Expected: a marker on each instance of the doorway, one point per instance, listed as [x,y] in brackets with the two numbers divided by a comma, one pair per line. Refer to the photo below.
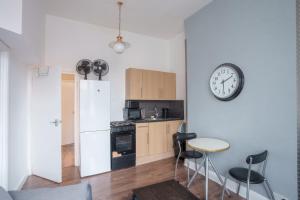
[68,119]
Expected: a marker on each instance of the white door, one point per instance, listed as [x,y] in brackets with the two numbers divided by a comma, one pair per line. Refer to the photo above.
[46,125]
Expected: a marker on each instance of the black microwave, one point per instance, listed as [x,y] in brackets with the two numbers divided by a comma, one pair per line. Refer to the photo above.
[132,114]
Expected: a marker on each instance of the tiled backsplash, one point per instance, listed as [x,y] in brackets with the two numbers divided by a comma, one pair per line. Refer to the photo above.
[176,107]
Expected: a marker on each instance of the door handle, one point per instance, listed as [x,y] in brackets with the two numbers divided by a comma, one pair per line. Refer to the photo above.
[56,122]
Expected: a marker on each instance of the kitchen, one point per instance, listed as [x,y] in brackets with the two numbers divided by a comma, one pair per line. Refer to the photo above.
[145,53]
[151,116]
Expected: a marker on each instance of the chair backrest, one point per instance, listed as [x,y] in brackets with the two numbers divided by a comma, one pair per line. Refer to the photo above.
[182,128]
[257,158]
[181,137]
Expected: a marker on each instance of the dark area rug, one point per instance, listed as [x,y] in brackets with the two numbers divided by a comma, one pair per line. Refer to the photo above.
[168,190]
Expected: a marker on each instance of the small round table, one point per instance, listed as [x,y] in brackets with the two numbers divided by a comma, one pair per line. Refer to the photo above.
[207,146]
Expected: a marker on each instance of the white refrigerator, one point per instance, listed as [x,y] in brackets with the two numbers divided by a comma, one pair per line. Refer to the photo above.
[94,120]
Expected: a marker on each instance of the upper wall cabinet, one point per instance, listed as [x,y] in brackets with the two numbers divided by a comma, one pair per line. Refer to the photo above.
[134,82]
[150,85]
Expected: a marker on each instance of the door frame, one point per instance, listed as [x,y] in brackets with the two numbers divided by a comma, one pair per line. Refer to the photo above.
[4,115]
[76,116]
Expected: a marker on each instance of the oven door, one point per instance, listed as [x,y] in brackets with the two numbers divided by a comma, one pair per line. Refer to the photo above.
[123,142]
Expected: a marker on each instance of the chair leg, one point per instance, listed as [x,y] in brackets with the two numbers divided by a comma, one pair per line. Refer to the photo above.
[224,187]
[188,165]
[196,173]
[248,189]
[270,193]
[176,166]
[238,189]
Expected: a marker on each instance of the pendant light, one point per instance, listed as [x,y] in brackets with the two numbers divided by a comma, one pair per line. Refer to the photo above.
[119,45]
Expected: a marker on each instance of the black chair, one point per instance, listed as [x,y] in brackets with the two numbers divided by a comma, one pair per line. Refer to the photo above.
[183,137]
[249,176]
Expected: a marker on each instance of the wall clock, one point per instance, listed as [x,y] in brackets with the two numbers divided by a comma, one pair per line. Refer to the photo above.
[226,82]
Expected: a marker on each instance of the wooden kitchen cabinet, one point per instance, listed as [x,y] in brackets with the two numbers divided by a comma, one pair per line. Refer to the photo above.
[142,140]
[153,85]
[150,85]
[154,140]
[134,82]
[169,86]
[157,138]
[172,128]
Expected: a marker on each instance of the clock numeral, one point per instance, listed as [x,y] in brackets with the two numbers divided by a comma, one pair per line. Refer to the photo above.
[214,83]
[229,90]
[216,78]
[232,86]
[215,88]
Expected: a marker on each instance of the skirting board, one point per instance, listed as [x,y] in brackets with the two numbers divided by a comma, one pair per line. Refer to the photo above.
[232,185]
[22,183]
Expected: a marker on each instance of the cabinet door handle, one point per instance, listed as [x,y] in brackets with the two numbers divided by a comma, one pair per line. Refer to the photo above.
[148,138]
[168,128]
[141,92]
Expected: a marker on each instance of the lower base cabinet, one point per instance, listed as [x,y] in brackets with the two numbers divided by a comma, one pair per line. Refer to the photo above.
[154,141]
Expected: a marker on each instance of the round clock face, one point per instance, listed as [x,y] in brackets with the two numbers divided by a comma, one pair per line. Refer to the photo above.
[226,82]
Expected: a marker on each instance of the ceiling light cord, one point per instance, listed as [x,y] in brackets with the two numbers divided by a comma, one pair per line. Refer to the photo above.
[120,5]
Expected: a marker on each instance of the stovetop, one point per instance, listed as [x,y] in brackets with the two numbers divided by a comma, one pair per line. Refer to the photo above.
[121,123]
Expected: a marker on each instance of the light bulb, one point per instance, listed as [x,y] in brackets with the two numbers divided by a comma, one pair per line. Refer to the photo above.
[119,47]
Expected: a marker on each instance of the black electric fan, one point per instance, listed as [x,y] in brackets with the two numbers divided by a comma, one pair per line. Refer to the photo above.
[84,67]
[100,68]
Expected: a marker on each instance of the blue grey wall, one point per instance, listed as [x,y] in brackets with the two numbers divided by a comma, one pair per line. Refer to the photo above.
[260,37]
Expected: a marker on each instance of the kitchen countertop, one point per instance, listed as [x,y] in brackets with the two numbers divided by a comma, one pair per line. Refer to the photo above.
[148,120]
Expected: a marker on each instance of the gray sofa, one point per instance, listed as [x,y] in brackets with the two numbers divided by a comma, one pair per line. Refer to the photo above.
[80,191]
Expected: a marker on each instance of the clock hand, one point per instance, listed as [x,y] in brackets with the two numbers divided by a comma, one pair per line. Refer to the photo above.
[223,86]
[227,79]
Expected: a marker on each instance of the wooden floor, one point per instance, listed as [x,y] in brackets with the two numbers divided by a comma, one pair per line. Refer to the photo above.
[67,155]
[118,185]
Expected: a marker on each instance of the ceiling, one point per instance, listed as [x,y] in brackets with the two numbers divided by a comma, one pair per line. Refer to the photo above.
[157,18]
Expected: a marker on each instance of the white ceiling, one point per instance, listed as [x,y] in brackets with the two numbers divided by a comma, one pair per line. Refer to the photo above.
[158,18]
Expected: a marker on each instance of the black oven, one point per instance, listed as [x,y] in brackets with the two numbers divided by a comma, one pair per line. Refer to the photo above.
[123,141]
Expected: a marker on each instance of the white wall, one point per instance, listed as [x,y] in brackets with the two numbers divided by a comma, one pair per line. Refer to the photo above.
[11,15]
[69,41]
[177,64]
[26,50]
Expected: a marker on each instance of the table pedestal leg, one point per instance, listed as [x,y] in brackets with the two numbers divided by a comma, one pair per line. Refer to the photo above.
[206,177]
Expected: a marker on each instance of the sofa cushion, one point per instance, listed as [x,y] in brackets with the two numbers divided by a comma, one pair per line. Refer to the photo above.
[73,192]
[4,195]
